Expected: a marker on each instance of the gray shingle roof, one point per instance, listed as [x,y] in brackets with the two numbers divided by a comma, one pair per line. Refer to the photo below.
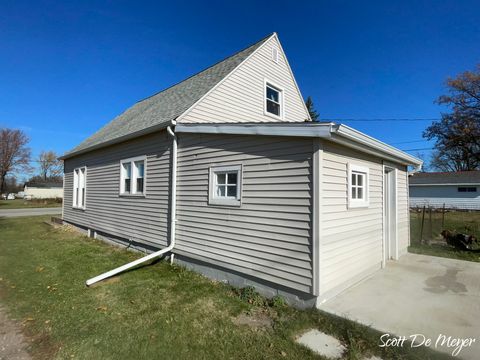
[159,110]
[36,184]
[438,178]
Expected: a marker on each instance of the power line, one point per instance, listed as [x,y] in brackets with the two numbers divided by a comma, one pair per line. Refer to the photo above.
[408,142]
[417,149]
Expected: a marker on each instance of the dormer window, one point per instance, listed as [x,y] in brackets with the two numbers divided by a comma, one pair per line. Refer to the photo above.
[273,100]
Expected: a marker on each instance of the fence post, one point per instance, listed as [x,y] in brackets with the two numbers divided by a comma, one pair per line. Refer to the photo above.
[431,225]
[423,223]
[443,217]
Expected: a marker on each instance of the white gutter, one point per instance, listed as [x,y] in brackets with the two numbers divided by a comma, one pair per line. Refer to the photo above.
[340,134]
[172,223]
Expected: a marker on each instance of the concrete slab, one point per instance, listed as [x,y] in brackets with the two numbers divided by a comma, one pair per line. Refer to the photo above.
[430,296]
[322,344]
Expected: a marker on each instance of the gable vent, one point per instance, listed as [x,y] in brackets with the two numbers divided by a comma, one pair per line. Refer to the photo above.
[275,54]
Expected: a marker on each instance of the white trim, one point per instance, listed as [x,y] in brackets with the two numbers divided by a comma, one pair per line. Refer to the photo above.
[212,199]
[133,177]
[282,129]
[357,203]
[186,112]
[384,213]
[316,216]
[394,184]
[339,134]
[359,137]
[291,74]
[75,195]
[281,96]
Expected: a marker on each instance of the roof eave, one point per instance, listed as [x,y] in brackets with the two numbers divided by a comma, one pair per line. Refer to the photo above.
[374,146]
[114,141]
[340,134]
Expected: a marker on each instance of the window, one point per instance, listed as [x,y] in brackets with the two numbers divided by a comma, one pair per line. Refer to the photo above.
[225,185]
[132,176]
[273,100]
[357,186]
[79,187]
[467,189]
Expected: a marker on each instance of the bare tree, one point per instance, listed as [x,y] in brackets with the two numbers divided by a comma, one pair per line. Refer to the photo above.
[457,134]
[14,154]
[49,164]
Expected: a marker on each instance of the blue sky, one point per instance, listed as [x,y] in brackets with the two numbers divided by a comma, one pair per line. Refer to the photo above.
[67,68]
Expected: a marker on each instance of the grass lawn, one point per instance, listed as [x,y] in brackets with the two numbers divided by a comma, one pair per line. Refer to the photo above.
[156,312]
[21,203]
[460,221]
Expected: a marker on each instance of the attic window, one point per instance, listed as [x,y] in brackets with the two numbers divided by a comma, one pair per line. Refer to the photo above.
[275,54]
[273,100]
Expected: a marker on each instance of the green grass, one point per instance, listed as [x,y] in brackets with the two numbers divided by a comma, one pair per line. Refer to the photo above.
[433,244]
[156,312]
[35,203]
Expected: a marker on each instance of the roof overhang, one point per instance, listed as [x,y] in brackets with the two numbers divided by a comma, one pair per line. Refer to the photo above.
[336,133]
[117,140]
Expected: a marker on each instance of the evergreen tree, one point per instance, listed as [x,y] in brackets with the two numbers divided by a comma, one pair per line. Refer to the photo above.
[311,109]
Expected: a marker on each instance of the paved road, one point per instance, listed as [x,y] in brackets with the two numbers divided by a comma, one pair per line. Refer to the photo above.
[30,212]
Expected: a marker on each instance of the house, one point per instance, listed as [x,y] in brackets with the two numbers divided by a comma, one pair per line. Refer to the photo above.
[43,190]
[452,190]
[226,171]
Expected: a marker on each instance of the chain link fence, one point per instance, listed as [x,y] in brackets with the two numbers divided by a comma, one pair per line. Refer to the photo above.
[427,224]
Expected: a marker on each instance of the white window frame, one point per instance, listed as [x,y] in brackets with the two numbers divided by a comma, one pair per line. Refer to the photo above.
[213,199]
[77,202]
[281,96]
[133,177]
[359,203]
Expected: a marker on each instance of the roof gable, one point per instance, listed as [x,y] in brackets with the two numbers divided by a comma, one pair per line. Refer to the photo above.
[240,96]
[160,109]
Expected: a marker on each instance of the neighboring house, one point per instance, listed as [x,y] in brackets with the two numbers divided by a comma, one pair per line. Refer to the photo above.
[43,190]
[454,190]
[264,197]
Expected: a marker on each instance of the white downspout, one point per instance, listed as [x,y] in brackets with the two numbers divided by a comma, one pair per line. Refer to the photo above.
[173,207]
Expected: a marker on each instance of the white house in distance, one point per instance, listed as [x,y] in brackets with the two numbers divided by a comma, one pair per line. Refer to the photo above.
[43,190]
[226,172]
[454,190]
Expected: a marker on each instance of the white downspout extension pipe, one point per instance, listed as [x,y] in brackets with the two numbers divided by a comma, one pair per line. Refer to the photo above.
[172,223]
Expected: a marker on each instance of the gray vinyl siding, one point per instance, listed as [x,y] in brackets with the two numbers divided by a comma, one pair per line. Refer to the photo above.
[351,240]
[269,236]
[142,220]
[240,97]
[438,195]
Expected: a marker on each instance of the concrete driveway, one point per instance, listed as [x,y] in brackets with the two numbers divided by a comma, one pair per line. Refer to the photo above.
[419,294]
[30,212]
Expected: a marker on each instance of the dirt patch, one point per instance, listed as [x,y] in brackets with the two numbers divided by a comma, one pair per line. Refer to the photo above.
[257,320]
[13,344]
[111,280]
